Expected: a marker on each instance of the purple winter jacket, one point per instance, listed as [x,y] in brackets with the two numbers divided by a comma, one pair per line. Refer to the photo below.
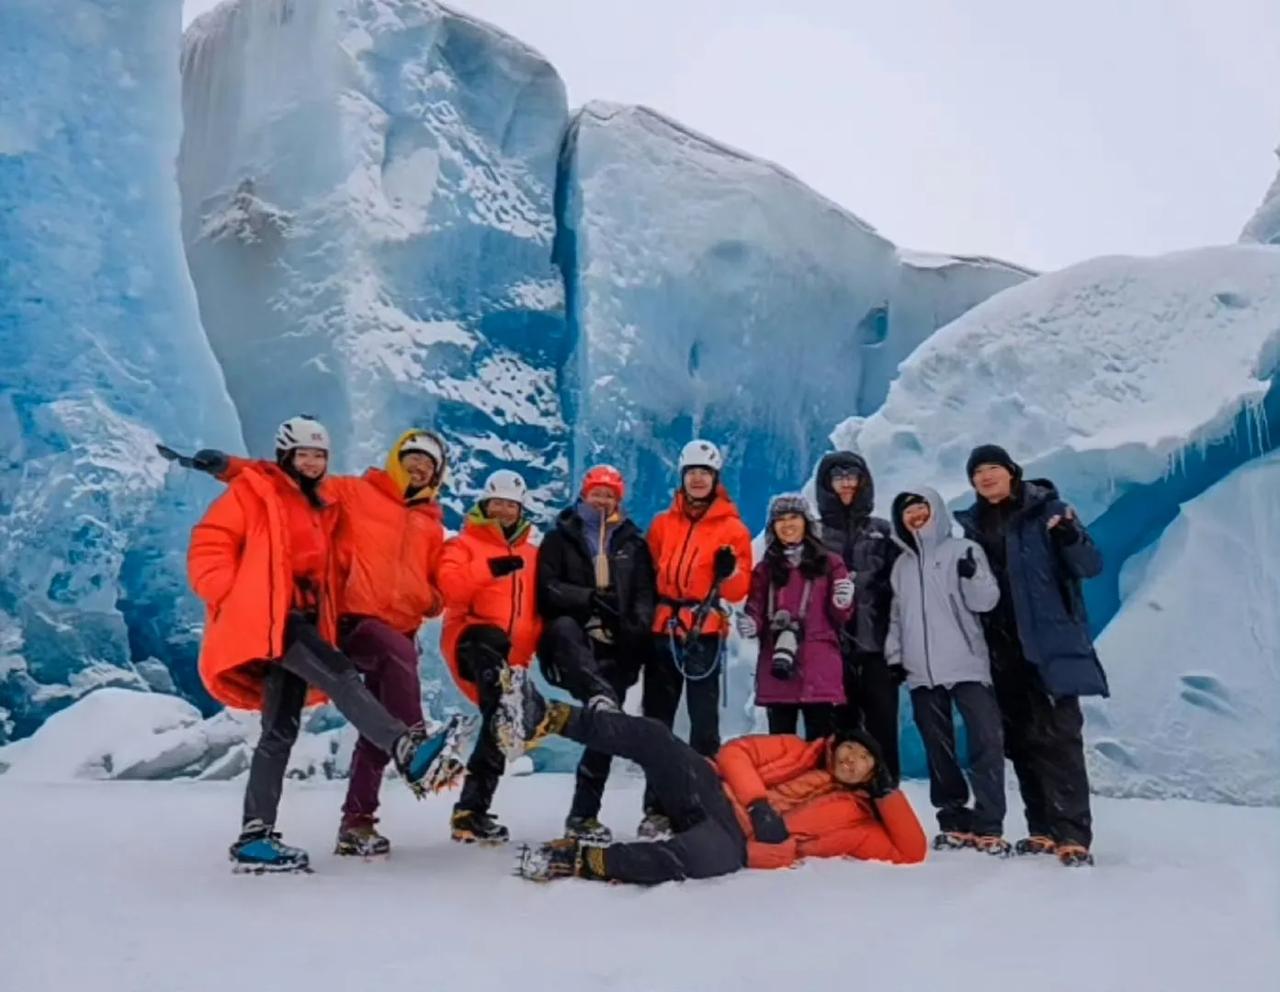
[819,673]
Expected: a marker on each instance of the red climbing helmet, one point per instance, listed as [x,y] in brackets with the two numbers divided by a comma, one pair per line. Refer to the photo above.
[606,476]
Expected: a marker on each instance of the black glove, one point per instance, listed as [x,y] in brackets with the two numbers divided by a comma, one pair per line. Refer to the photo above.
[604,604]
[505,565]
[898,674]
[211,460]
[967,567]
[726,563]
[1066,532]
[882,782]
[767,824]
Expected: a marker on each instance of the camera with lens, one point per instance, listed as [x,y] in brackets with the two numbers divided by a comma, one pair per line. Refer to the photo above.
[786,642]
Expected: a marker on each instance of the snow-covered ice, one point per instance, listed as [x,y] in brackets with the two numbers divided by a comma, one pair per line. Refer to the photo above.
[101,355]
[367,208]
[125,887]
[1264,225]
[712,293]
[1195,707]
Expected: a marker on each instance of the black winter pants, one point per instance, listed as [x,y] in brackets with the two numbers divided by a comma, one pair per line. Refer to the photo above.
[482,654]
[664,684]
[308,660]
[872,696]
[948,790]
[707,840]
[585,667]
[1043,737]
[819,719]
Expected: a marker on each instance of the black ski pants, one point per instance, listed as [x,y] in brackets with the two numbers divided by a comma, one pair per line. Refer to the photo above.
[482,654]
[664,684]
[309,660]
[585,667]
[872,695]
[819,719]
[948,790]
[1044,738]
[707,839]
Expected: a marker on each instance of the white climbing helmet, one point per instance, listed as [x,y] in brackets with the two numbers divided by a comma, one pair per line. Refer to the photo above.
[505,484]
[302,431]
[425,443]
[700,454]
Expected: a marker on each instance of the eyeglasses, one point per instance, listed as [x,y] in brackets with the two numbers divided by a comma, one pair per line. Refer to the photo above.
[845,474]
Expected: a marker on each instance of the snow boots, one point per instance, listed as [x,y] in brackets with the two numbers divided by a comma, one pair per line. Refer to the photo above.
[259,850]
[993,844]
[523,718]
[654,826]
[1035,844]
[1074,856]
[563,858]
[469,827]
[588,830]
[432,762]
[360,838]
[952,840]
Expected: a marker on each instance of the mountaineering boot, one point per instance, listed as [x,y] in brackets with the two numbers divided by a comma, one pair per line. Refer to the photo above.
[468,827]
[360,838]
[563,858]
[432,762]
[259,850]
[1074,856]
[588,830]
[654,826]
[993,844]
[523,718]
[952,840]
[1035,844]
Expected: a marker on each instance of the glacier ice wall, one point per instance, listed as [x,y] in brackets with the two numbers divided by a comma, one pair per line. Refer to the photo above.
[101,353]
[1134,383]
[1264,226]
[367,208]
[1195,678]
[712,293]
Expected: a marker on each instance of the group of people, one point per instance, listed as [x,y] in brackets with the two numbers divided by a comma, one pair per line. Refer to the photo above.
[316,586]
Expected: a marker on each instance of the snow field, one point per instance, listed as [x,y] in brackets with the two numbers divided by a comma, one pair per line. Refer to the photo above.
[1183,898]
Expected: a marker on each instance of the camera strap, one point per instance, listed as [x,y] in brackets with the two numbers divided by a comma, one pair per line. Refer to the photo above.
[771,605]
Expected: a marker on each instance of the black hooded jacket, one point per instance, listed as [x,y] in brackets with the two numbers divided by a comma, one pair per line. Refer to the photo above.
[566,576]
[865,544]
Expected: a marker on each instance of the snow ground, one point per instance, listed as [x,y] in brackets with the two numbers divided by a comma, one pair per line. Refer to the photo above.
[120,886]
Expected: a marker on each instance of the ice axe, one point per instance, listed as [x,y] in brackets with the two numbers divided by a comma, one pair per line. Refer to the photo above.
[168,454]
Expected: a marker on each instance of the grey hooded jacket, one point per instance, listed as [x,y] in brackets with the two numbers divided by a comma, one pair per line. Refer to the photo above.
[934,631]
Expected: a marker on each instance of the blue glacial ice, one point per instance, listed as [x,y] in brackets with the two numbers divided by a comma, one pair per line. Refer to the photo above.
[712,293]
[367,208]
[101,354]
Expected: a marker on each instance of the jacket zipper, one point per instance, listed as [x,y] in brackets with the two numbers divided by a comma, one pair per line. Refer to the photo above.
[515,597]
[924,621]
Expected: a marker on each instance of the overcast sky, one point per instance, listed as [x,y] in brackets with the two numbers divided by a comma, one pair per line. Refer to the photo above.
[1039,131]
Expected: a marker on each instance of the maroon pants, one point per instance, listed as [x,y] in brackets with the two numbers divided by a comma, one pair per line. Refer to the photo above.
[389,662]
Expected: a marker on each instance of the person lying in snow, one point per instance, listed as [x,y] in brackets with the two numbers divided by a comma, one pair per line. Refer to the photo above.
[762,802]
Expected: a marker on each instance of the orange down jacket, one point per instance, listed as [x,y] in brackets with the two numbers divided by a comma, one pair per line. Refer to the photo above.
[825,818]
[239,564]
[388,548]
[684,550]
[472,596]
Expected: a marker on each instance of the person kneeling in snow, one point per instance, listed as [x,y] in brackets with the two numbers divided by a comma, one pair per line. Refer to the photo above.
[940,585]
[762,802]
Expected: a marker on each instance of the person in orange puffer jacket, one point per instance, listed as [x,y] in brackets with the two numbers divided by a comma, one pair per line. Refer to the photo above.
[765,802]
[702,553]
[487,576]
[387,545]
[262,561]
